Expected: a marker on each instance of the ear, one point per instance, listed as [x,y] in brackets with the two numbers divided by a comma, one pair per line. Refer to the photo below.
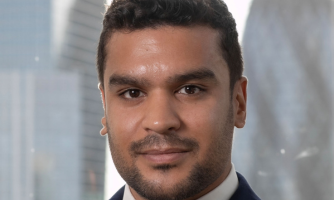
[104,129]
[239,102]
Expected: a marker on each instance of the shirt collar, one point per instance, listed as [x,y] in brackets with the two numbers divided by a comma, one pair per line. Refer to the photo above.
[224,191]
[127,194]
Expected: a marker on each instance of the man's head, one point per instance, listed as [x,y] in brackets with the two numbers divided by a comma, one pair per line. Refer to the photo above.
[166,89]
[130,15]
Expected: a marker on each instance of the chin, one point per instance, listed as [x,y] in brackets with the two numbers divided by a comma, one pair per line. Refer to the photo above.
[168,182]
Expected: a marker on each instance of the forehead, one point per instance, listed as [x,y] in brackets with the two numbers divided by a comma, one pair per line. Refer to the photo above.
[164,51]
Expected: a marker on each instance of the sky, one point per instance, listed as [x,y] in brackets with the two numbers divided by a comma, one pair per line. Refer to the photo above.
[239,10]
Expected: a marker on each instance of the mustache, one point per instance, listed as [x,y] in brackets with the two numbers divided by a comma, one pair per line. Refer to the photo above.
[171,140]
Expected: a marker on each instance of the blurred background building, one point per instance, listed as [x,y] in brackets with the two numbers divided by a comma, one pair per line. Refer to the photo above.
[286,148]
[50,108]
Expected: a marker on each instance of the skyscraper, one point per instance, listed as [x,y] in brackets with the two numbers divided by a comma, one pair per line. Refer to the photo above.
[50,108]
[288,49]
[78,54]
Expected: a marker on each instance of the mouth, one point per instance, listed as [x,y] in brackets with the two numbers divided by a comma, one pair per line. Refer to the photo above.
[164,156]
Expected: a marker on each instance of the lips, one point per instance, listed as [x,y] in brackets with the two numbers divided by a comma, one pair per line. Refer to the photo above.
[164,156]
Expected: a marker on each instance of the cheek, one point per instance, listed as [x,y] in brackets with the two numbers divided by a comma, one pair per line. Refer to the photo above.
[123,125]
[206,115]
[204,122]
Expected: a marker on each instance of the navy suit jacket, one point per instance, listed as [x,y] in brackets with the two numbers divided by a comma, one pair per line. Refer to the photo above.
[243,192]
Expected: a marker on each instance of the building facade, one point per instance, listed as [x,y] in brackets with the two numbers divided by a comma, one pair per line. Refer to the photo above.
[286,147]
[50,107]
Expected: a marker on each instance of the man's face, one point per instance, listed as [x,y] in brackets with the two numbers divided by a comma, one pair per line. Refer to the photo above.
[168,109]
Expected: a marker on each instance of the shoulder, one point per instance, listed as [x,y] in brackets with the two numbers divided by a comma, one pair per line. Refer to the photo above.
[119,194]
[244,191]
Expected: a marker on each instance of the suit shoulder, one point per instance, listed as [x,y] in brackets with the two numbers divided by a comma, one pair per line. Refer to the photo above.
[244,191]
[119,194]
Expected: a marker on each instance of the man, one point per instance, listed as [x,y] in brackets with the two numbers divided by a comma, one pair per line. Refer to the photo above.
[171,81]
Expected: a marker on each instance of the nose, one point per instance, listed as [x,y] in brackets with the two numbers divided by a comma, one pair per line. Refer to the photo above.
[161,115]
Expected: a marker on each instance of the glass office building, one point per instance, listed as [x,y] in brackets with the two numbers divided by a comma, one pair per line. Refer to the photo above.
[50,107]
[286,147]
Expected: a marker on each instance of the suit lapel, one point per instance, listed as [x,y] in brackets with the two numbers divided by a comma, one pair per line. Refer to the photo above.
[119,194]
[244,191]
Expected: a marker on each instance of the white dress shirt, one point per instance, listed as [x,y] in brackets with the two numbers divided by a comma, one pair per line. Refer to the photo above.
[224,191]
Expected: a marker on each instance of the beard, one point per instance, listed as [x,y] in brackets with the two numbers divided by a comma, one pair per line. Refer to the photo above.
[201,175]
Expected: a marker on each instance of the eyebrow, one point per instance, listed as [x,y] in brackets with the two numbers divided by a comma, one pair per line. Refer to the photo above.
[116,79]
[201,74]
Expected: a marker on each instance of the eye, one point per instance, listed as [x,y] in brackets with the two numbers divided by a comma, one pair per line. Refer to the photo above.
[132,94]
[190,89]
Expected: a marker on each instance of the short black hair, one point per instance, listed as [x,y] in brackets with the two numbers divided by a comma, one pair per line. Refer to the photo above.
[133,15]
